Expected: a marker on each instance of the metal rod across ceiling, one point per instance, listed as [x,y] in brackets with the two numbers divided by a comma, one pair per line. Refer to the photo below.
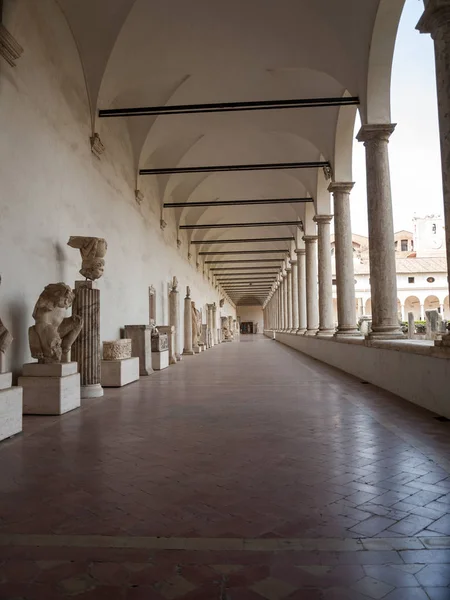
[237,202]
[315,164]
[282,250]
[243,240]
[242,260]
[177,109]
[233,225]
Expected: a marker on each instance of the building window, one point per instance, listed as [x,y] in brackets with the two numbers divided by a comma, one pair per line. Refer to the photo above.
[404,244]
[410,279]
[431,279]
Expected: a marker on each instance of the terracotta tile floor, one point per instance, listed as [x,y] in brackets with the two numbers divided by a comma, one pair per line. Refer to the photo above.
[248,472]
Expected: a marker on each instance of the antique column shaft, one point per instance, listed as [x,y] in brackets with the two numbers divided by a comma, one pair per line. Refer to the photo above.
[326,318]
[301,285]
[188,326]
[284,287]
[86,348]
[436,20]
[345,273]
[214,324]
[383,276]
[174,319]
[210,323]
[312,308]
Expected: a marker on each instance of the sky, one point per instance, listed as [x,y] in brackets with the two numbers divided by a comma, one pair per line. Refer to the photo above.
[414,146]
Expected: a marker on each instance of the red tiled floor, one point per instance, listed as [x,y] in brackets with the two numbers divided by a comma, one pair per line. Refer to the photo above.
[247,440]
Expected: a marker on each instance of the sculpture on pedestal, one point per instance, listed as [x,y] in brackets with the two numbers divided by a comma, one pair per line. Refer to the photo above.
[92,251]
[222,302]
[53,334]
[174,284]
[226,333]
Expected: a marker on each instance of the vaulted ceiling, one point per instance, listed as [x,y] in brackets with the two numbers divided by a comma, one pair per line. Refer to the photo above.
[172,52]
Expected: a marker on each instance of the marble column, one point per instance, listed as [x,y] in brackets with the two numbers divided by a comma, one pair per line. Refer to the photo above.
[174,319]
[86,348]
[188,325]
[312,307]
[289,297]
[345,272]
[436,21]
[383,276]
[326,317]
[294,265]
[301,286]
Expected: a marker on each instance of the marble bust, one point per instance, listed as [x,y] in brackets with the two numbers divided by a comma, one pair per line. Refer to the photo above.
[53,334]
[92,251]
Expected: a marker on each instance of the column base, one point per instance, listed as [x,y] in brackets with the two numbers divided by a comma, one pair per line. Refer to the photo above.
[444,342]
[311,332]
[188,352]
[93,390]
[300,331]
[395,334]
[178,357]
[325,333]
[342,333]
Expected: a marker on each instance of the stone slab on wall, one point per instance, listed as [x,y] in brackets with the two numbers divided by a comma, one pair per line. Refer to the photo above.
[418,378]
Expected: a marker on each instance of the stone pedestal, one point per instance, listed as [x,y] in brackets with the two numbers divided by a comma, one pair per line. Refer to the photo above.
[204,337]
[188,326]
[50,389]
[10,407]
[174,320]
[169,330]
[86,348]
[160,351]
[120,372]
[140,336]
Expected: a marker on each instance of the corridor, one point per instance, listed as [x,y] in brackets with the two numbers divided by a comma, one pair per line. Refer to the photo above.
[250,471]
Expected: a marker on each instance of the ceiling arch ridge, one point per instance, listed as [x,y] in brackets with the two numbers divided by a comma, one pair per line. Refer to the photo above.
[95,38]
[343,143]
[376,105]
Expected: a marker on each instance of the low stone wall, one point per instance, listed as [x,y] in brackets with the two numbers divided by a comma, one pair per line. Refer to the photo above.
[419,372]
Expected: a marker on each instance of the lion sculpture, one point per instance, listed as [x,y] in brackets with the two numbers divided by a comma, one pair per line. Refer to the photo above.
[53,334]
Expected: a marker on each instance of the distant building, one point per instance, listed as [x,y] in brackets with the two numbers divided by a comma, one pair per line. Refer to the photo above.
[421,270]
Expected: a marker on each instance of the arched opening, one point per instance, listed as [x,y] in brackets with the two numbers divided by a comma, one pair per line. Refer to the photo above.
[446,314]
[431,303]
[368,307]
[412,304]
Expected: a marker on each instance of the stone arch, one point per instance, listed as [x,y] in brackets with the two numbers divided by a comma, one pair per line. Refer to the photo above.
[432,302]
[412,304]
[377,106]
[446,314]
[343,155]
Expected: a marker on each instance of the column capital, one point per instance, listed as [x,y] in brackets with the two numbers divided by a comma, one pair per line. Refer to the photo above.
[300,252]
[310,239]
[288,269]
[283,275]
[322,219]
[341,187]
[435,17]
[380,132]
[294,262]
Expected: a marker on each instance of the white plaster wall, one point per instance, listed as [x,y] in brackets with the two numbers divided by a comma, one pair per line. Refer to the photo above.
[420,379]
[252,313]
[53,187]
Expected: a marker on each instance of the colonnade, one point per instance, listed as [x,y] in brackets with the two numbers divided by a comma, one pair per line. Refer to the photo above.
[305,307]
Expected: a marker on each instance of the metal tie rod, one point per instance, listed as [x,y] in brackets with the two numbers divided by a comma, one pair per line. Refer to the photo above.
[243,240]
[226,168]
[232,225]
[277,251]
[238,202]
[177,109]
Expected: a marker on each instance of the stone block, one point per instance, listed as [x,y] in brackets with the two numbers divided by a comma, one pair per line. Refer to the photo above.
[35,369]
[117,349]
[10,411]
[117,373]
[50,395]
[140,336]
[5,380]
[160,360]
